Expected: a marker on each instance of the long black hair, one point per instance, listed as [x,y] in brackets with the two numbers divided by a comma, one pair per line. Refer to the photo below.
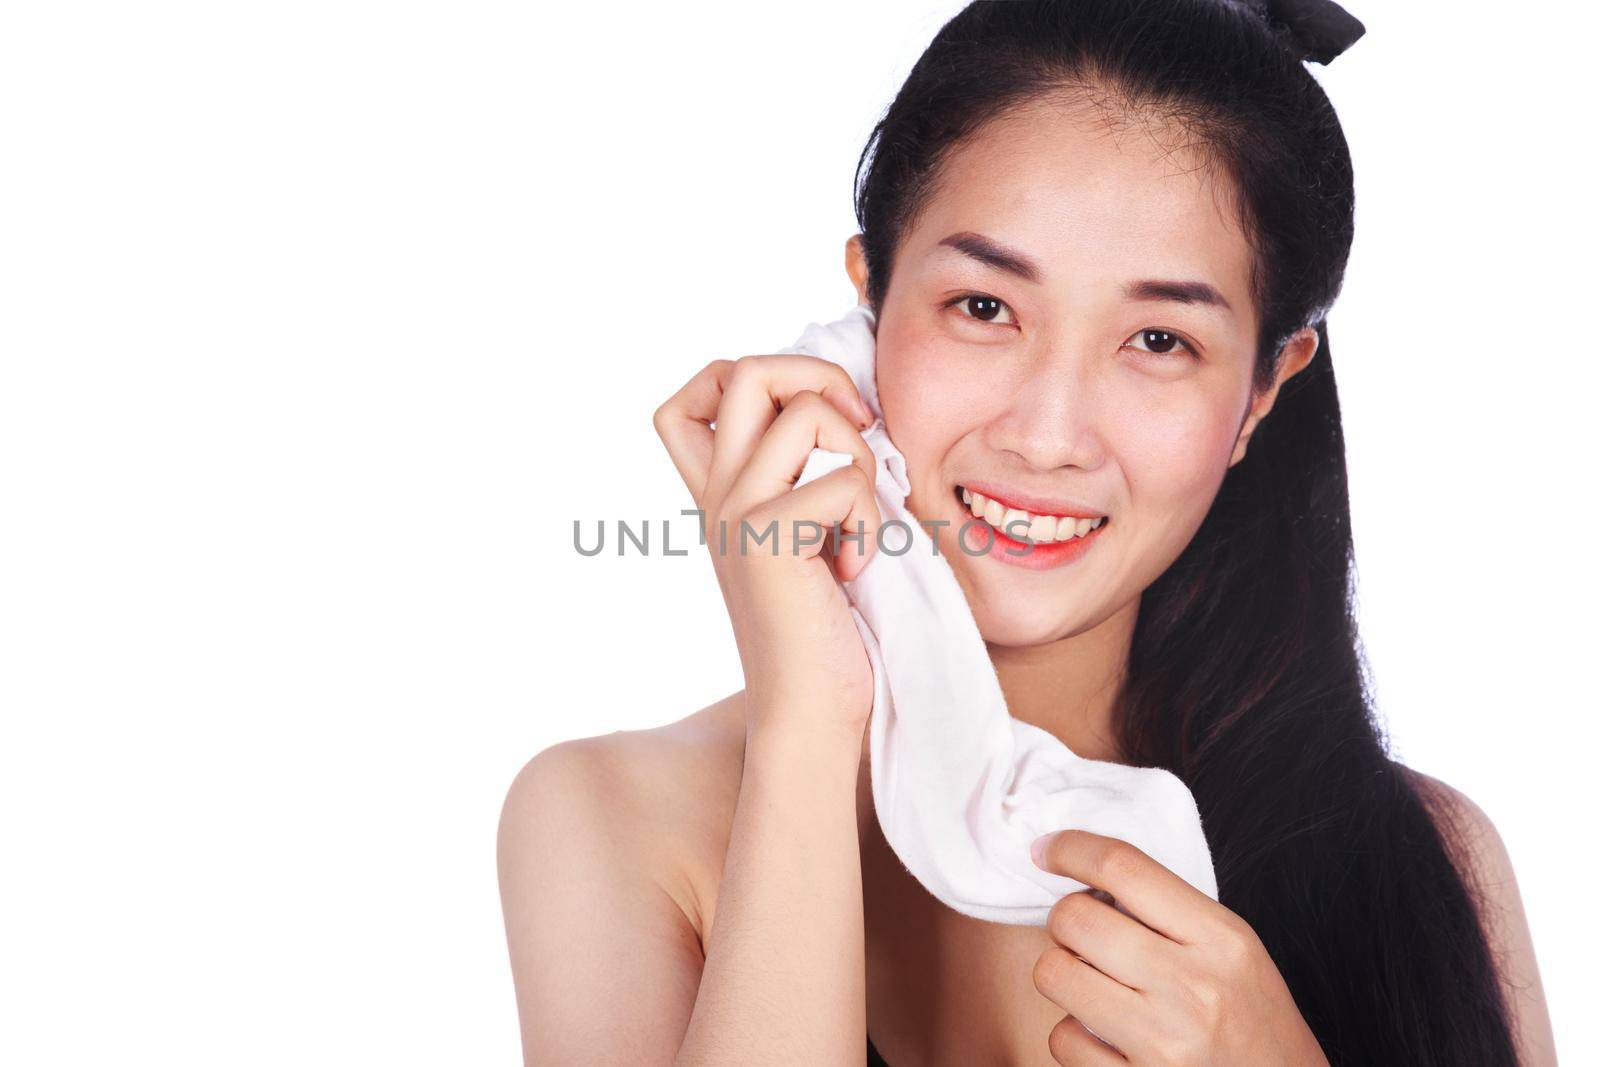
[1246,676]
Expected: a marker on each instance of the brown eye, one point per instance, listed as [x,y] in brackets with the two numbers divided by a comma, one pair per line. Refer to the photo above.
[980,307]
[1162,342]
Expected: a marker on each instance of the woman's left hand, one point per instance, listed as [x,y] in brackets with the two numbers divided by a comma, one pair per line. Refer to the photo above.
[1186,981]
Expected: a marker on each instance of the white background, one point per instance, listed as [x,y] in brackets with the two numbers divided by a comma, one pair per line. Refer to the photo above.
[322,321]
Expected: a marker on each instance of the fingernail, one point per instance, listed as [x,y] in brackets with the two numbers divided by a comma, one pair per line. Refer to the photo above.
[1037,849]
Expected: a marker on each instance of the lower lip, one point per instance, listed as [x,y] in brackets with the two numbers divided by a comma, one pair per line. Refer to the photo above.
[1039,556]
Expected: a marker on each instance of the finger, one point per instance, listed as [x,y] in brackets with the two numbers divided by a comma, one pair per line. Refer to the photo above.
[759,387]
[806,422]
[1073,1044]
[1157,897]
[684,425]
[1113,943]
[845,495]
[1112,1009]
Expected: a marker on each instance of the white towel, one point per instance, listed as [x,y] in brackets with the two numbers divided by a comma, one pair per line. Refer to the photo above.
[960,787]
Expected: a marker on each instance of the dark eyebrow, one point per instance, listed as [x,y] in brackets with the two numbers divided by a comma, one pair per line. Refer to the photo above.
[1177,292]
[993,254]
[998,256]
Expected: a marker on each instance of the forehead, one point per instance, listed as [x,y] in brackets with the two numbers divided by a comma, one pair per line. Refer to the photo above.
[1091,197]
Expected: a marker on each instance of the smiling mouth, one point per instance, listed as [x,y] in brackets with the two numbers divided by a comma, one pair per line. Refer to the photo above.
[1035,527]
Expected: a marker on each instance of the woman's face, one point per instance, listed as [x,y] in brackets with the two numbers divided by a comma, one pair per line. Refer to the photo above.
[1060,385]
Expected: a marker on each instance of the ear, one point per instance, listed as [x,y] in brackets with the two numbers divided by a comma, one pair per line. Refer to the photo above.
[855,264]
[1298,351]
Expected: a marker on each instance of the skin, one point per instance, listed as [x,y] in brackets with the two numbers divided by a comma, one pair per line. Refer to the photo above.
[660,838]
[1061,394]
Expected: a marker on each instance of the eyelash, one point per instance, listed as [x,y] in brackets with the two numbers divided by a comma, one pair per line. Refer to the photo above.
[1182,340]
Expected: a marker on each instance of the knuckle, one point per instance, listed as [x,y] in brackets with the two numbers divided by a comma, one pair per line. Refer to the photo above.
[1049,969]
[724,371]
[1061,1039]
[805,401]
[1178,1050]
[851,472]
[1073,916]
[1236,949]
[661,417]
[1203,998]
[1118,861]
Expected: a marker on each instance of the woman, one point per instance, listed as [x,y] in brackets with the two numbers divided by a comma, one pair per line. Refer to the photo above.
[1099,238]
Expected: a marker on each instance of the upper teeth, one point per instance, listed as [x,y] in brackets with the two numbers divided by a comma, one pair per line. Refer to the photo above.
[1035,527]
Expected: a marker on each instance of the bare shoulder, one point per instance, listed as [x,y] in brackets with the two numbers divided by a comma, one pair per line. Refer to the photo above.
[669,791]
[1482,852]
[610,849]
[665,796]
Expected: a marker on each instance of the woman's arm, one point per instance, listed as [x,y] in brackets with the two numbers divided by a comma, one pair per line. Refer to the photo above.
[785,973]
[601,952]
[1504,919]
[607,964]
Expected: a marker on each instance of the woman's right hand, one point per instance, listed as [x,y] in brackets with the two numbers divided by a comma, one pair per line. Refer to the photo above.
[803,658]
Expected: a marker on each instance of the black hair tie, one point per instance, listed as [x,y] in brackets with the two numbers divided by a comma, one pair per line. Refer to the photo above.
[1320,29]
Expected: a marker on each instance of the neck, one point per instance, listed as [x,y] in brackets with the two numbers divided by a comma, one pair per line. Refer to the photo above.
[1069,687]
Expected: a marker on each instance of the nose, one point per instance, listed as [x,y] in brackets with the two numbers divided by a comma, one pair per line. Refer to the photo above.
[1051,420]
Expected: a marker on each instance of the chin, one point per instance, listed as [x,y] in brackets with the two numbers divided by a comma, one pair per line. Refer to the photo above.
[1012,626]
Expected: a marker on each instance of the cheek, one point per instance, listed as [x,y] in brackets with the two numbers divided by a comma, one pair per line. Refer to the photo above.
[921,394]
[1174,453]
